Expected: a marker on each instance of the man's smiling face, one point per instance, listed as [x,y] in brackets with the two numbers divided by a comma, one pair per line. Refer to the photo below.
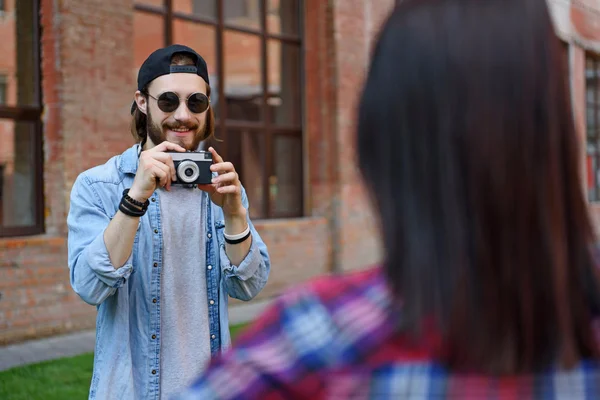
[181,126]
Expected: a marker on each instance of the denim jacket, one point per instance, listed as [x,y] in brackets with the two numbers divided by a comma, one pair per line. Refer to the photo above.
[127,352]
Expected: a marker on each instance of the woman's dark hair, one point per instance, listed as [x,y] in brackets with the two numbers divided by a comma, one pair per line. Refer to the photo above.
[139,120]
[466,142]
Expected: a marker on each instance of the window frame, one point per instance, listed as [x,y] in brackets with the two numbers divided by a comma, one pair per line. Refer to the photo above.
[264,127]
[594,80]
[31,114]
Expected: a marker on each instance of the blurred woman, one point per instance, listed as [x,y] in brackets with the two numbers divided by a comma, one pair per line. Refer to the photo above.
[489,286]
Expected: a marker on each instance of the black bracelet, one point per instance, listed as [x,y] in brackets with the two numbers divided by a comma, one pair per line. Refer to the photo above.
[240,240]
[134,201]
[131,207]
[128,210]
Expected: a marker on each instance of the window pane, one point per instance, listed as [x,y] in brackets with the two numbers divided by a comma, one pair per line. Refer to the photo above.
[284,83]
[17,63]
[156,3]
[285,187]
[283,17]
[590,119]
[148,35]
[590,94]
[244,13]
[245,150]
[201,38]
[593,140]
[17,181]
[243,66]
[202,8]
[3,89]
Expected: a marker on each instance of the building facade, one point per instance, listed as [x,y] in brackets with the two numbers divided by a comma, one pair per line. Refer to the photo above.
[285,76]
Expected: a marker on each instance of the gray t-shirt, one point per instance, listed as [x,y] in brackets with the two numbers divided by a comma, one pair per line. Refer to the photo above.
[184,325]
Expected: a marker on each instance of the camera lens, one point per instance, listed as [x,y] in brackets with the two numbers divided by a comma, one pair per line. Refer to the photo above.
[188,171]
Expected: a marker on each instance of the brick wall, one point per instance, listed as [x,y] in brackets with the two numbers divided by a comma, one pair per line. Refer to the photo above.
[356,21]
[88,62]
[85,46]
[576,23]
[36,298]
[88,84]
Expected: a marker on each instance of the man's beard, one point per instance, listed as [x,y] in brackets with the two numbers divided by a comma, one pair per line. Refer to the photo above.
[157,133]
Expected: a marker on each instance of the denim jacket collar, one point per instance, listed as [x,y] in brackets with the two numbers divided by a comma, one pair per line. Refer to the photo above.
[128,162]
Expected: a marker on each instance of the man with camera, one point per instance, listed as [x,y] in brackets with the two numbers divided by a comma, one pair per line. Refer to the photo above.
[160,236]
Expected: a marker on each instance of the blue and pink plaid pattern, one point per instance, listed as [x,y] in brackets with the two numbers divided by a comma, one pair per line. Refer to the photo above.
[337,338]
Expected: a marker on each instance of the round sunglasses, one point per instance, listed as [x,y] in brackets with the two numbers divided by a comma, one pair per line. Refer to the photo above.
[169,102]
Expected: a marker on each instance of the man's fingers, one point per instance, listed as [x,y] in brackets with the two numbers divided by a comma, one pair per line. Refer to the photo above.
[167,160]
[222,167]
[171,166]
[231,189]
[161,176]
[163,172]
[229,177]
[166,145]
[216,157]
[162,166]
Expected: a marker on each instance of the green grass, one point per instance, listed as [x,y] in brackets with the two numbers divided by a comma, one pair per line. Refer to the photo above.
[65,378]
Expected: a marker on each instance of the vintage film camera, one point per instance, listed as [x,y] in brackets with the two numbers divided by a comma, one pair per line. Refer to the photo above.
[192,167]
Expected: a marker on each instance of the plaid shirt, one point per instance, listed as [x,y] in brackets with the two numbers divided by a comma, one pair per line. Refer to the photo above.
[337,339]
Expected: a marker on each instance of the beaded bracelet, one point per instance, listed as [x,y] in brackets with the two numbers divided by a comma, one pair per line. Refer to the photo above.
[131,207]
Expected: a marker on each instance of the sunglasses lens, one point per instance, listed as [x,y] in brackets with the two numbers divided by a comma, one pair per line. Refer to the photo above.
[168,102]
[198,103]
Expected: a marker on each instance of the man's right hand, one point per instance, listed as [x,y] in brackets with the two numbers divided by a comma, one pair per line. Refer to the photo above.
[155,168]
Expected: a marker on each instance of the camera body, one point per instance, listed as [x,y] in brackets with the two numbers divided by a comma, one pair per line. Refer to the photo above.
[192,167]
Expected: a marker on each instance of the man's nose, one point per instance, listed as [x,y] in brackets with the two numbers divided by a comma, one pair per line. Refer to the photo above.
[182,113]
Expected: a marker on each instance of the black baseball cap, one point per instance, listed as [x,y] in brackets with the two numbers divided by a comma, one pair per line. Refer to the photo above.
[159,63]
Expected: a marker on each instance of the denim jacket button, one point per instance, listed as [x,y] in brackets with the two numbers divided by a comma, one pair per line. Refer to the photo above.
[154,300]
[155,265]
[212,302]
[156,231]
[212,336]
[209,267]
[153,199]
[153,336]
[153,372]
[209,235]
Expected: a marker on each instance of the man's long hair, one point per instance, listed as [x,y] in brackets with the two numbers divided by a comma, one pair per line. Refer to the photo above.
[466,141]
[139,120]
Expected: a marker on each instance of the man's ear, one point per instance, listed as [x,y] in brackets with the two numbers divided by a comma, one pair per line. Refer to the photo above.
[141,102]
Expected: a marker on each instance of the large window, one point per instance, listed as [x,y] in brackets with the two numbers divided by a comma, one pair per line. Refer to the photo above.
[254,53]
[592,85]
[21,161]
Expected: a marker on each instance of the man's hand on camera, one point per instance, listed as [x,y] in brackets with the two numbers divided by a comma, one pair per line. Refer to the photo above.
[226,189]
[155,168]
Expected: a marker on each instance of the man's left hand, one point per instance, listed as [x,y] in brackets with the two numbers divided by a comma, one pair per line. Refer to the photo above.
[226,189]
